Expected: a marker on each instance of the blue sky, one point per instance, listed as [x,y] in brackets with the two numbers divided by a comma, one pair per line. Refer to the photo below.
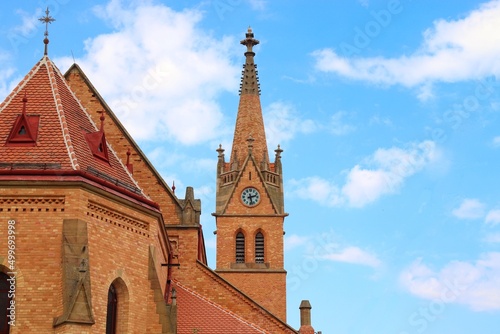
[388,113]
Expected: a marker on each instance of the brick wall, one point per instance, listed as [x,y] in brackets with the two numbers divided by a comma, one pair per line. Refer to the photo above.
[237,217]
[119,236]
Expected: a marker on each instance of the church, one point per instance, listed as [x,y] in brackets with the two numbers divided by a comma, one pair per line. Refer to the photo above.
[93,240]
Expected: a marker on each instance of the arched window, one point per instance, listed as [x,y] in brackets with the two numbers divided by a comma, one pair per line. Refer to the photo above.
[4,303]
[259,248]
[240,248]
[112,310]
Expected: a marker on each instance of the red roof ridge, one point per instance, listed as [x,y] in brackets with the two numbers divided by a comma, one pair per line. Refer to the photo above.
[60,111]
[110,149]
[228,312]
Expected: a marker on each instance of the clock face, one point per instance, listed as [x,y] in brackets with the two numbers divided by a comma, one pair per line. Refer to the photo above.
[250,196]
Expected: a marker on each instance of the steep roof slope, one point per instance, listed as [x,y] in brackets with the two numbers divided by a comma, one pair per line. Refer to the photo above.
[62,136]
[148,178]
[197,313]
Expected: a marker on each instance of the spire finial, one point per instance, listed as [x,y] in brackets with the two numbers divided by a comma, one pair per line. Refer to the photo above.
[46,19]
[220,150]
[278,151]
[25,100]
[249,41]
[249,75]
[102,118]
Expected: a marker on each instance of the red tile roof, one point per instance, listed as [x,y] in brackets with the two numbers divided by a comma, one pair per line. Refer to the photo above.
[61,139]
[196,314]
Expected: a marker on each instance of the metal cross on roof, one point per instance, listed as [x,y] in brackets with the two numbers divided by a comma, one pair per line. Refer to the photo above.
[46,19]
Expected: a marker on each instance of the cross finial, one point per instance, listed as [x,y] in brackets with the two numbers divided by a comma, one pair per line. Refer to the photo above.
[46,19]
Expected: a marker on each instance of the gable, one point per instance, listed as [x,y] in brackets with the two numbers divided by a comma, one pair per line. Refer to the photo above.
[147,177]
[249,177]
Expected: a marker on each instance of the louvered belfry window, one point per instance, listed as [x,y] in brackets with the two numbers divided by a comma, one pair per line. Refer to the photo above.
[259,248]
[240,248]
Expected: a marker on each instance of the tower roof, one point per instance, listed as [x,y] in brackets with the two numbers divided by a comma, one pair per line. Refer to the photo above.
[249,133]
[58,134]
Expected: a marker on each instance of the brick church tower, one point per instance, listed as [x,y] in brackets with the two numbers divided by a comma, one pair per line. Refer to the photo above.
[249,202]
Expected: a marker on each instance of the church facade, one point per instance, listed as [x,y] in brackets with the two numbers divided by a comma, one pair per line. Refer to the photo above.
[93,240]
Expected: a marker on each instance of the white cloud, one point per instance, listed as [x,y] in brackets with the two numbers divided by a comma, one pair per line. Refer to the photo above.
[469,209]
[325,246]
[354,255]
[29,24]
[294,241]
[283,123]
[5,74]
[364,3]
[258,4]
[337,126]
[493,217]
[386,172]
[391,167]
[496,141]
[425,92]
[451,51]
[376,119]
[493,238]
[153,67]
[316,189]
[475,284]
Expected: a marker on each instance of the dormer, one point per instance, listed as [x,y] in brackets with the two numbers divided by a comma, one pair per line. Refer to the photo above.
[97,142]
[24,131]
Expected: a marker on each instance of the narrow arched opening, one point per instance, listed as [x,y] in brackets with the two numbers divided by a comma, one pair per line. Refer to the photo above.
[4,303]
[240,247]
[117,308]
[112,310]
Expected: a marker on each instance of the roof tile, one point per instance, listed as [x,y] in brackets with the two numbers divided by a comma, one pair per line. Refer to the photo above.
[195,313]
[62,127]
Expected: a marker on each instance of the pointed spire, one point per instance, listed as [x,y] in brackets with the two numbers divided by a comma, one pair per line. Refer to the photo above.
[249,122]
[46,19]
[277,160]
[249,75]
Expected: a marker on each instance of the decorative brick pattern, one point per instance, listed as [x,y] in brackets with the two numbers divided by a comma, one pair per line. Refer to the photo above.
[111,216]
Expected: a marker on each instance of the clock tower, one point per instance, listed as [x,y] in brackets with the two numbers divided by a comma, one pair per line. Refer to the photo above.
[249,202]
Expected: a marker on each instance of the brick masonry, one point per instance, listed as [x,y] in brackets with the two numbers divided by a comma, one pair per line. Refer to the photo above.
[118,247]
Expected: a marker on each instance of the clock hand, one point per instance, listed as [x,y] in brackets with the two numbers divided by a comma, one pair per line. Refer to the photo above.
[250,197]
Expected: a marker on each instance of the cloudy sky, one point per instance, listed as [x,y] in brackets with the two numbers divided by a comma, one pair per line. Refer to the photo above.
[388,113]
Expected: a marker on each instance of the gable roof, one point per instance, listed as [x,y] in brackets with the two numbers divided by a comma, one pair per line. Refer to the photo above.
[64,124]
[197,314]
